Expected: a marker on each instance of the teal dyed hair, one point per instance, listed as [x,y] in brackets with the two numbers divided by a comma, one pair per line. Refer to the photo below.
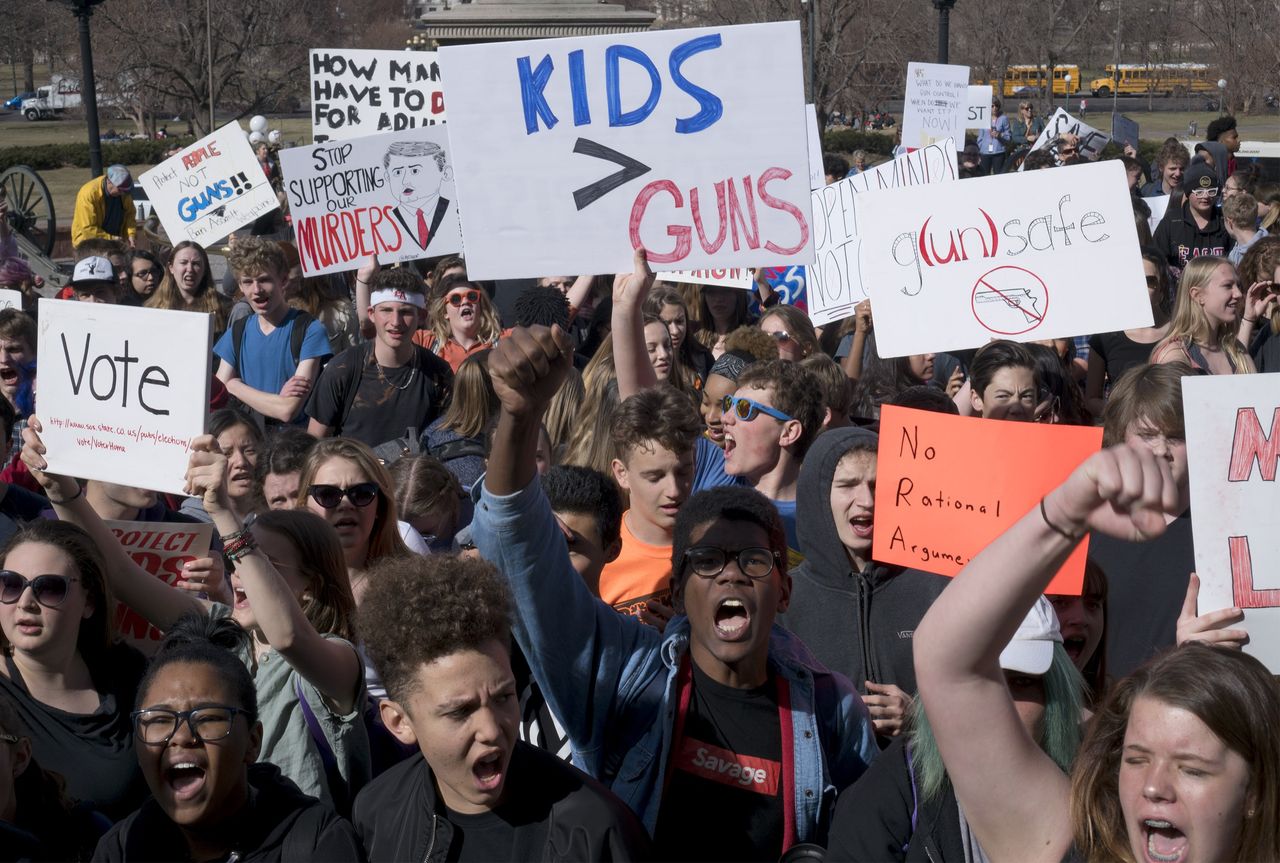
[1063,700]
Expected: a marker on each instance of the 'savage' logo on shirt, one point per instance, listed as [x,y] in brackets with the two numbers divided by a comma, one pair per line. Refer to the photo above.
[728,768]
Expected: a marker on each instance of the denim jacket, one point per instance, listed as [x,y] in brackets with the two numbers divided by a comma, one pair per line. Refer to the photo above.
[611,680]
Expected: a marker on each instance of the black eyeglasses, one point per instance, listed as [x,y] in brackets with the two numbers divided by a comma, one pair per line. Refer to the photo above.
[457,299]
[708,561]
[330,496]
[49,590]
[155,726]
[148,273]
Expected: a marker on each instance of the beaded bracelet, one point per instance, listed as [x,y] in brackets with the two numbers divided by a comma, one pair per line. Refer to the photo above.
[239,544]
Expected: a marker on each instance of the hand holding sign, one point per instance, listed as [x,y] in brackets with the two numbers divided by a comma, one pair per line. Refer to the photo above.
[58,488]
[207,475]
[1210,627]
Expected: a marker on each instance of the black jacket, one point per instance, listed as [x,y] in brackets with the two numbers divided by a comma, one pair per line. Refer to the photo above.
[397,815]
[280,825]
[857,623]
[873,820]
[1180,239]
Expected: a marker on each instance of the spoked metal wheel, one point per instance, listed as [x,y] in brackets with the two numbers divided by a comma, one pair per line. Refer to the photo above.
[30,206]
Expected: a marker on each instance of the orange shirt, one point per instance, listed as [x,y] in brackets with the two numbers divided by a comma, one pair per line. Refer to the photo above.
[642,572]
[452,353]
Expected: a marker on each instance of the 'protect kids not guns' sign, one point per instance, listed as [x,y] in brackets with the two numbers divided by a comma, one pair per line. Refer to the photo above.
[356,92]
[388,195]
[123,391]
[209,189]
[571,153]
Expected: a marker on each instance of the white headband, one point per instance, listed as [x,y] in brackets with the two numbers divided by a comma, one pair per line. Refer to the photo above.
[395,295]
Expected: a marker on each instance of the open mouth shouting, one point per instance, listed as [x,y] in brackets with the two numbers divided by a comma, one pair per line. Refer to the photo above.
[862,526]
[489,771]
[184,776]
[1165,842]
[732,619]
[8,376]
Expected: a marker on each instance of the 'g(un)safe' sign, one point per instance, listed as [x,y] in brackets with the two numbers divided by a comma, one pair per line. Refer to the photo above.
[1233,450]
[387,195]
[123,391]
[209,189]
[571,153]
[1039,255]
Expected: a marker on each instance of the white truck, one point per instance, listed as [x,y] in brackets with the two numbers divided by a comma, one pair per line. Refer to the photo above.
[61,94]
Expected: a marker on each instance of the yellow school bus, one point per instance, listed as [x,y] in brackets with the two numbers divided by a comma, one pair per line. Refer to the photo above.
[1172,79]
[1029,80]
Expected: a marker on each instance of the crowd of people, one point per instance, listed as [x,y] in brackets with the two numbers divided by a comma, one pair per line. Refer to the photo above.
[586,573]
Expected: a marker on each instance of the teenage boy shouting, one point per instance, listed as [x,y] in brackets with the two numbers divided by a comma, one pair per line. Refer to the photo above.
[266,366]
[722,733]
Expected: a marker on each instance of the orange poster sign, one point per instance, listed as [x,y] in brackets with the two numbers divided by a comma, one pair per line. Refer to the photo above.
[946,486]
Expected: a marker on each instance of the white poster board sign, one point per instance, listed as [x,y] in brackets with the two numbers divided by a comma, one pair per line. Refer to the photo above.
[1092,141]
[1040,255]
[817,171]
[1159,205]
[209,189]
[388,195]
[572,153]
[356,92]
[728,277]
[123,391]
[835,280]
[979,110]
[936,104]
[1233,448]
[10,299]
[162,549]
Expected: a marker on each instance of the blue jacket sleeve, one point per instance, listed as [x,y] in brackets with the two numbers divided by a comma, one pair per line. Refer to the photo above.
[591,662]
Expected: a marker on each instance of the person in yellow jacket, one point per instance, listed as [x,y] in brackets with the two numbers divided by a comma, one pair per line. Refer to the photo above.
[104,208]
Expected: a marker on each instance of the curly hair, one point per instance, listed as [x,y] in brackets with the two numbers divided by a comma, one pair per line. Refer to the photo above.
[795,391]
[419,609]
[490,328]
[751,340]
[254,255]
[542,306]
[661,415]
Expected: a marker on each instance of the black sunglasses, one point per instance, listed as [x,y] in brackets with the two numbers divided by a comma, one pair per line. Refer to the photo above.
[49,590]
[330,496]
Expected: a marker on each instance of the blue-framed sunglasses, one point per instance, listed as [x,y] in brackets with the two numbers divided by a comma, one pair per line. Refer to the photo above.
[746,410]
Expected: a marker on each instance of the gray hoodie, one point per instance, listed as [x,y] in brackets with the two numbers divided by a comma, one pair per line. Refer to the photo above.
[857,623]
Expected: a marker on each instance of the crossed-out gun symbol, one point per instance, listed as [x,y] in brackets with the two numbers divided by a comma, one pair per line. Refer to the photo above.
[1020,299]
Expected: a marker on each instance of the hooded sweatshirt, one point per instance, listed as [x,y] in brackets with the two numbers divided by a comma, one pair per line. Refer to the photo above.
[1221,159]
[857,623]
[279,825]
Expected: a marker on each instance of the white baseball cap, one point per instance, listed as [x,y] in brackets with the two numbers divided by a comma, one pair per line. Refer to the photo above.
[1030,651]
[93,269]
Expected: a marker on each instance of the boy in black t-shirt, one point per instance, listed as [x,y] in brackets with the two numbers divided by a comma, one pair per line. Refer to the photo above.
[438,631]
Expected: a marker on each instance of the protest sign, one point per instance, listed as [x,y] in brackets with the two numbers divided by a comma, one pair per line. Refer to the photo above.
[1124,131]
[936,104]
[1233,448]
[388,195]
[836,283]
[1040,255]
[210,189]
[356,93]
[161,549]
[123,391]
[946,486]
[732,277]
[789,283]
[1159,205]
[572,153]
[1091,140]
[817,171]
[10,299]
[979,110]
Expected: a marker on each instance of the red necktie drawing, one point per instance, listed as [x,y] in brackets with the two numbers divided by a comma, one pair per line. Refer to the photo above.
[423,233]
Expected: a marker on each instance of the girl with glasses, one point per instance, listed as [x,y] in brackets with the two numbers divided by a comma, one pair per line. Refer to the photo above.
[792,330]
[145,272]
[292,596]
[71,681]
[462,321]
[199,735]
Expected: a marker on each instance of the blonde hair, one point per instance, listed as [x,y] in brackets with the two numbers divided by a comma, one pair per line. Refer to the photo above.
[563,413]
[490,329]
[590,443]
[1190,324]
[474,403]
[384,538]
[205,299]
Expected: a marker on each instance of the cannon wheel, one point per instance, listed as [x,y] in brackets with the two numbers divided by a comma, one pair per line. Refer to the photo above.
[30,207]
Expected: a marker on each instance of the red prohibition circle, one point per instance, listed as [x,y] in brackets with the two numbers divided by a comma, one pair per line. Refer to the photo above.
[994,287]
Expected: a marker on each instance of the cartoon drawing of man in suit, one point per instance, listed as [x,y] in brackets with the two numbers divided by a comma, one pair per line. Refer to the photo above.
[415,171]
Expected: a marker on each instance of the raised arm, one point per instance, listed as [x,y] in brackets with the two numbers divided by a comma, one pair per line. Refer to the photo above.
[630,359]
[1014,796]
[156,601]
[364,276]
[331,666]
[578,293]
